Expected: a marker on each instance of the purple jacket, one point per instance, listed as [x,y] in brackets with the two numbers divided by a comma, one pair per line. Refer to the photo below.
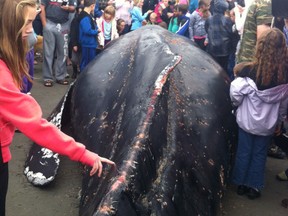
[258,111]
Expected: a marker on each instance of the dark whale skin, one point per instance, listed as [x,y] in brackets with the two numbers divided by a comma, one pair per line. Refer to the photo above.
[159,107]
[171,143]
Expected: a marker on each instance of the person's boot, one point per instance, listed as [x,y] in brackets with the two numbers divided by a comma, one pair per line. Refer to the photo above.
[253,193]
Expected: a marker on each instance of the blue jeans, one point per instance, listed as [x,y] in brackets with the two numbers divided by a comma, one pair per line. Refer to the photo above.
[250,160]
[88,54]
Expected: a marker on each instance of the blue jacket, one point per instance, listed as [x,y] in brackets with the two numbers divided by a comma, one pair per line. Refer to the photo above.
[137,18]
[88,31]
[193,6]
[184,22]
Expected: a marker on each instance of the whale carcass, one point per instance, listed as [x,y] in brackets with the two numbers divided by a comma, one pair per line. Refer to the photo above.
[159,107]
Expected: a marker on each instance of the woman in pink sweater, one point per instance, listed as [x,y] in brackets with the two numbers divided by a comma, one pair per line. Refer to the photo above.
[21,110]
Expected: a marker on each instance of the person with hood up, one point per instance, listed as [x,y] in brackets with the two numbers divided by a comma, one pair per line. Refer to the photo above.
[219,34]
[260,93]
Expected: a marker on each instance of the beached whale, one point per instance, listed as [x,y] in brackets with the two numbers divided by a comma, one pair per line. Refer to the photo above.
[159,107]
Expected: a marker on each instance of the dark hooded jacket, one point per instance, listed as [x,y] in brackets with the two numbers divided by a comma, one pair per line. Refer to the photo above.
[219,30]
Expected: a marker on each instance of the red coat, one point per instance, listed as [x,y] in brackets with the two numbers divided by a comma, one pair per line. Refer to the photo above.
[23,112]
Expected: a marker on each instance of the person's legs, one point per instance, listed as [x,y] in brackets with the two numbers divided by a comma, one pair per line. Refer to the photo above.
[255,174]
[37,25]
[48,50]
[243,158]
[88,54]
[223,61]
[200,43]
[3,186]
[61,35]
[84,58]
[231,65]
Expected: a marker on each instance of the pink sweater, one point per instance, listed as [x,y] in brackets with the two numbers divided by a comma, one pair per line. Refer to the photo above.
[123,8]
[23,112]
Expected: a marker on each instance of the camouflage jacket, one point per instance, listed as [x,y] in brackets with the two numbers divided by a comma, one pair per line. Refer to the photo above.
[259,13]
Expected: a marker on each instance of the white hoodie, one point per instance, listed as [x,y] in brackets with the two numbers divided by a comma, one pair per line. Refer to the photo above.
[258,111]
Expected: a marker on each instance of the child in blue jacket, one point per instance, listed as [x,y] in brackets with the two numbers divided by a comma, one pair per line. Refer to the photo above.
[88,32]
[136,14]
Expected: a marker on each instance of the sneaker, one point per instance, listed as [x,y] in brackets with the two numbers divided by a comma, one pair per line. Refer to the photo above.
[282,176]
[276,152]
[253,193]
[242,189]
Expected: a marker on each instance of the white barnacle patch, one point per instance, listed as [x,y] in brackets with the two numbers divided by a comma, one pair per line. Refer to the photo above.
[37,178]
[104,115]
[131,163]
[47,153]
[222,175]
[168,50]
[56,120]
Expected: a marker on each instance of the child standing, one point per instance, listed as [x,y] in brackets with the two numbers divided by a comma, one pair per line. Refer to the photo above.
[74,46]
[21,110]
[198,18]
[173,24]
[108,26]
[235,40]
[88,32]
[136,15]
[260,92]
[183,20]
[219,31]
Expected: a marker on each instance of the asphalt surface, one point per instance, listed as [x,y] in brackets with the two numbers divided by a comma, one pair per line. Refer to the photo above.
[61,197]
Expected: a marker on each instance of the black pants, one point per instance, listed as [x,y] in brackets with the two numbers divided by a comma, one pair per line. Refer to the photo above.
[200,43]
[222,61]
[3,186]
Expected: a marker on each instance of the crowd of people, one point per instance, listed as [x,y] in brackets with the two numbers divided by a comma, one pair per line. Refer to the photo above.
[253,55]
[71,30]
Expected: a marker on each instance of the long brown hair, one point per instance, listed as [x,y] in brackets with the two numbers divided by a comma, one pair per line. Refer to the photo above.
[270,63]
[13,49]
[271,58]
